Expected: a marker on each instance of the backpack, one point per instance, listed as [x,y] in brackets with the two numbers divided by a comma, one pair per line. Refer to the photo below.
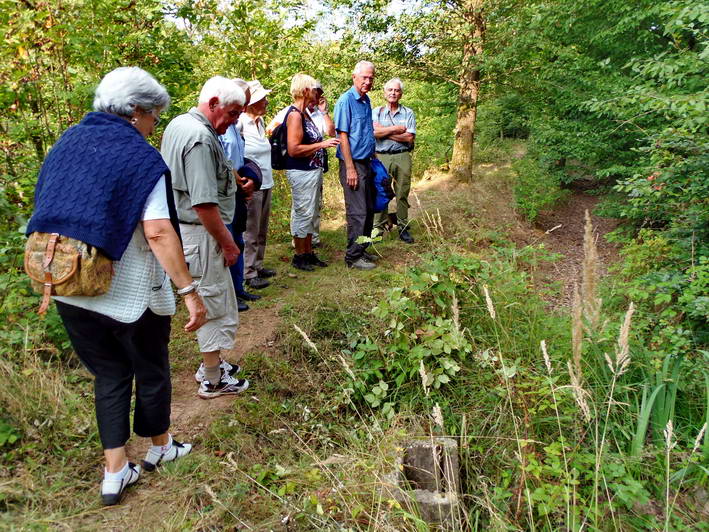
[382,186]
[279,147]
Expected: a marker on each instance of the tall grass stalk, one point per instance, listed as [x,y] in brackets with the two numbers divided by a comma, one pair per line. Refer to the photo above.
[547,362]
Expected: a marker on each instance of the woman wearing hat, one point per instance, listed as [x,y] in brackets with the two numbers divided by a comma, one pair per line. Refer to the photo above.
[258,149]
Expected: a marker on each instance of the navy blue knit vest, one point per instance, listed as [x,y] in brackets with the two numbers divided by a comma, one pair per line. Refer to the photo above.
[94,183]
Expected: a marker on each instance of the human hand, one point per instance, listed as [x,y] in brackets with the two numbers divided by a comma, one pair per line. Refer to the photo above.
[197,310]
[352,178]
[330,143]
[231,253]
[322,104]
[398,130]
[246,185]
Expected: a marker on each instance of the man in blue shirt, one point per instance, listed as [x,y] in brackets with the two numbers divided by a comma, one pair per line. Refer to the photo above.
[353,122]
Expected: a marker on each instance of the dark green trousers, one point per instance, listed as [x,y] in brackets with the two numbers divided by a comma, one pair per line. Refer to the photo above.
[399,167]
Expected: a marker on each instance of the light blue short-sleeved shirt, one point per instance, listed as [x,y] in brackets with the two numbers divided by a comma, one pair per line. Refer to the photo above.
[353,115]
[403,116]
[233,144]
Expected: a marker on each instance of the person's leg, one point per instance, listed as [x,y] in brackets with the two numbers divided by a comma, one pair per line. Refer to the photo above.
[146,345]
[381,219]
[253,222]
[355,212]
[316,215]
[263,229]
[93,337]
[237,269]
[402,187]
[370,193]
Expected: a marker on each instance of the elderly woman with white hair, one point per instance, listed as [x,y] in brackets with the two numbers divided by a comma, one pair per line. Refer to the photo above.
[102,183]
[304,168]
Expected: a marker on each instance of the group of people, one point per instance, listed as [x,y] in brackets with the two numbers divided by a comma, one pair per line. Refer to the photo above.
[195,214]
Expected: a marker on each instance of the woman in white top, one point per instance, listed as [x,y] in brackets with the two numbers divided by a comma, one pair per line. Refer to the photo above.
[123,335]
[258,149]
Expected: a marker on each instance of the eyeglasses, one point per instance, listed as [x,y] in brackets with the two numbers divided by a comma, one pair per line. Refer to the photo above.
[156,118]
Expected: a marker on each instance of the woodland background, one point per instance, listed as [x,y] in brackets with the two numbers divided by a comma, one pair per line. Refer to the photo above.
[607,96]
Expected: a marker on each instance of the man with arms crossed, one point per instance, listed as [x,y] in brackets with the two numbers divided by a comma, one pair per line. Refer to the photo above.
[395,131]
[204,190]
[353,122]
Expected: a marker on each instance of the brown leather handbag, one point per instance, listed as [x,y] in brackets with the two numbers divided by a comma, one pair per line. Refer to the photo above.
[63,266]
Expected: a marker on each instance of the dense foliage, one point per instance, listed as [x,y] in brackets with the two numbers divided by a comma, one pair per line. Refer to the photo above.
[609,93]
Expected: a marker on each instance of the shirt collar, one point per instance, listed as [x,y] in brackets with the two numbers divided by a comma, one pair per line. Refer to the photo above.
[356,95]
[199,116]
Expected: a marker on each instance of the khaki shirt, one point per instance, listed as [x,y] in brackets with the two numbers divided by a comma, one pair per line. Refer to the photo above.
[201,172]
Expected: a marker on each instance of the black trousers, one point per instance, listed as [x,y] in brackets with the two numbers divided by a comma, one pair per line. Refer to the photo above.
[359,207]
[116,353]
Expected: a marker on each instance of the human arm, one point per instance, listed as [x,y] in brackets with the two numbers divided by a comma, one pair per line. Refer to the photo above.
[403,137]
[211,219]
[384,132]
[295,138]
[329,124]
[165,245]
[352,179]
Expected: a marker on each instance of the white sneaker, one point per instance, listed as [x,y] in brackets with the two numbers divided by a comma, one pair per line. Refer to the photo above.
[227,368]
[227,385]
[112,490]
[154,458]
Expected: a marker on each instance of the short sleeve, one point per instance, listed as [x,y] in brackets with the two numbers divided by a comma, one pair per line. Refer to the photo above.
[343,115]
[200,172]
[156,205]
[411,123]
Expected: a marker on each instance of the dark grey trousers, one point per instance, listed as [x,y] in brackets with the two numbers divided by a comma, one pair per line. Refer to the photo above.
[116,353]
[359,207]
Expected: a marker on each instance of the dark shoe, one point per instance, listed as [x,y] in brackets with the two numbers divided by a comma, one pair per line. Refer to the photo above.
[257,283]
[406,236]
[265,273]
[241,305]
[371,257]
[247,296]
[315,261]
[302,262]
[361,264]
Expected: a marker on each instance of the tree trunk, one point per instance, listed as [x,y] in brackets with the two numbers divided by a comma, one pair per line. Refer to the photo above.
[462,158]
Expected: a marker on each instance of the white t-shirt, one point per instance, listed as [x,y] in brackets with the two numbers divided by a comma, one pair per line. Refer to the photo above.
[156,205]
[257,147]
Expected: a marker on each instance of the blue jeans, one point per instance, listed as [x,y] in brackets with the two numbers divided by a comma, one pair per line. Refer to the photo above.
[237,269]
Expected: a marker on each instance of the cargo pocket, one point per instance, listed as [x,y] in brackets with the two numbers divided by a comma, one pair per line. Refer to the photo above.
[193,259]
[215,300]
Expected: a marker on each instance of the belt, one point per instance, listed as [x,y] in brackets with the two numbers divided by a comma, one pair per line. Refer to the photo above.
[394,152]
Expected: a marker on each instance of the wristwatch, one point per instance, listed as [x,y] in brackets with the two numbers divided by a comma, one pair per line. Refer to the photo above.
[192,287]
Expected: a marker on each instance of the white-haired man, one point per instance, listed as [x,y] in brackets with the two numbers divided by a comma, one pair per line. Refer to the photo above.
[205,193]
[353,122]
[395,131]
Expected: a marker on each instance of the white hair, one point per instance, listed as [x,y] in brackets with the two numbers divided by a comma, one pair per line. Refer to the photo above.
[392,81]
[226,90]
[362,65]
[124,89]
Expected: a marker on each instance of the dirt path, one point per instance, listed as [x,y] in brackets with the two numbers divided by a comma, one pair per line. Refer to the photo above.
[561,230]
[191,415]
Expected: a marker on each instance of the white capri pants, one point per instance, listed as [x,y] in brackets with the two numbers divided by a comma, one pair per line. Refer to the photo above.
[305,192]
